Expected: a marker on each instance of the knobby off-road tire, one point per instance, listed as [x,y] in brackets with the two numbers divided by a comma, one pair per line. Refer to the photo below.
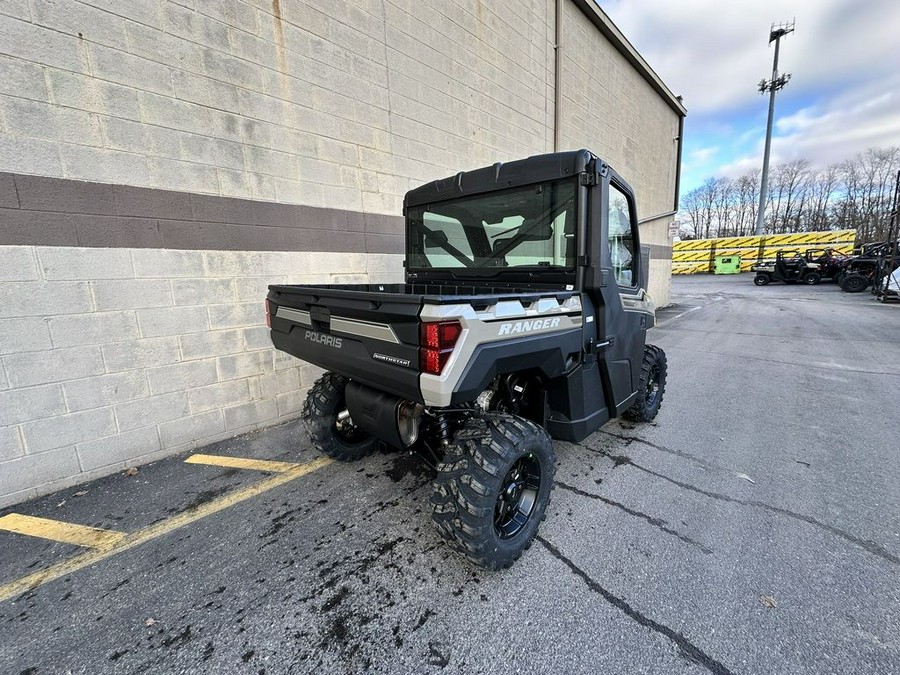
[492,489]
[762,279]
[652,386]
[854,283]
[323,403]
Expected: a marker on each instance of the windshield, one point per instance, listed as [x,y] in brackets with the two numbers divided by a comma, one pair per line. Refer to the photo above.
[532,226]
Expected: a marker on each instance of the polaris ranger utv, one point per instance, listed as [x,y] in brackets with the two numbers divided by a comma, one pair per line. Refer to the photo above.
[521,319]
[789,267]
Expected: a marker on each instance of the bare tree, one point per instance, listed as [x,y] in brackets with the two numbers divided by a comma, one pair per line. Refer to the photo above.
[855,193]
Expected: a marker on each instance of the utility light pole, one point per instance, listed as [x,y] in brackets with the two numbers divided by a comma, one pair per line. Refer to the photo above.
[777,82]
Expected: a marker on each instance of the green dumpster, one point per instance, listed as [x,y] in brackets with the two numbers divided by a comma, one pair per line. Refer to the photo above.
[728,264]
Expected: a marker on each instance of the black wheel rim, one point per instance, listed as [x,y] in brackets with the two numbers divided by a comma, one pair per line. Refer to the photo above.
[518,496]
[653,386]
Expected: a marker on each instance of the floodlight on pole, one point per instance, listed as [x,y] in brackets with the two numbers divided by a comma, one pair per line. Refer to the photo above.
[777,82]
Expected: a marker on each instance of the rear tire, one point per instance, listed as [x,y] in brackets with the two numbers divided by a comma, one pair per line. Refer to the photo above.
[762,279]
[652,386]
[854,283]
[493,487]
[340,441]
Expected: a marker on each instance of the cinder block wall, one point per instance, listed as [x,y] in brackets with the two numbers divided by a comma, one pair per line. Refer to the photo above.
[164,163]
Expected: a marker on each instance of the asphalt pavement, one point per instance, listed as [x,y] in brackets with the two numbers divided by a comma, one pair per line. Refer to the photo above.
[754,527]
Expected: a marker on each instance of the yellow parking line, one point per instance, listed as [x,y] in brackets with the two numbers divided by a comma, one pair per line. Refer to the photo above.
[133,539]
[241,463]
[56,530]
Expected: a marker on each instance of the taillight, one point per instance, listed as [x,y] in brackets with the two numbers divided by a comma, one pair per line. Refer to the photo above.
[437,341]
[268,314]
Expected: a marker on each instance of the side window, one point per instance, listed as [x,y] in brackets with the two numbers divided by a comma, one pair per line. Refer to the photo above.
[621,242]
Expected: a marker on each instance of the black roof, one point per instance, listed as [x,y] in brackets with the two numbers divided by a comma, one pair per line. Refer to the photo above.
[534,169]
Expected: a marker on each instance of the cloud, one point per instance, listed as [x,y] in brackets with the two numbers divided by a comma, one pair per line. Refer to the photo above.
[832,131]
[843,96]
[714,53]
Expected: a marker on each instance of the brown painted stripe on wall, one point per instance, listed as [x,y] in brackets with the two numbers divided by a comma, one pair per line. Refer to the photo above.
[660,252]
[39,211]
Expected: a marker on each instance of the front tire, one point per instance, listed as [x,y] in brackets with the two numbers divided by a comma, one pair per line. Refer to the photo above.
[333,437]
[762,279]
[493,487]
[652,386]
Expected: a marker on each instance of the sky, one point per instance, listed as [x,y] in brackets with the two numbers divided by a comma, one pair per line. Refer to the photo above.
[843,96]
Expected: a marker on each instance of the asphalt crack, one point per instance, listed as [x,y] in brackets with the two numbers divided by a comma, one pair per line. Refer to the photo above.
[658,523]
[687,648]
[870,546]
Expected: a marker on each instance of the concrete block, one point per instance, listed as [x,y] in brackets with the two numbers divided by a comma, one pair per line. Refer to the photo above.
[130,69]
[17,263]
[237,315]
[93,25]
[233,13]
[117,449]
[233,263]
[44,299]
[131,294]
[31,154]
[20,78]
[191,429]
[204,91]
[244,365]
[309,374]
[262,187]
[148,412]
[186,176]
[34,470]
[253,289]
[202,291]
[92,329]
[211,344]
[39,193]
[105,390]
[282,360]
[24,335]
[217,152]
[181,376]
[220,395]
[88,93]
[165,264]
[55,365]
[271,162]
[30,403]
[37,44]
[104,165]
[250,414]
[233,183]
[290,404]
[37,119]
[10,444]
[157,322]
[195,27]
[257,337]
[66,430]
[64,263]
[279,382]
[121,356]
[18,9]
